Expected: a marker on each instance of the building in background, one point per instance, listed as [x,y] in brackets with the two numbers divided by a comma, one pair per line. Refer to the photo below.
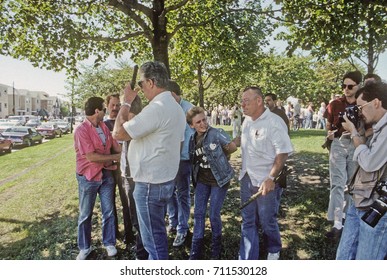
[25,102]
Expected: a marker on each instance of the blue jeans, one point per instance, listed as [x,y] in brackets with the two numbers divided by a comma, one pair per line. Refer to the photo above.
[88,191]
[216,195]
[151,200]
[180,204]
[262,211]
[359,240]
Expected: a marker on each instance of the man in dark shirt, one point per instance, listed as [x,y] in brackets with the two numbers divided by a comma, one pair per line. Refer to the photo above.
[113,106]
[270,101]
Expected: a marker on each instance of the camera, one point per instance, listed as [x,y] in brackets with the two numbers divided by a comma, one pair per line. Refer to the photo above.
[352,114]
[379,207]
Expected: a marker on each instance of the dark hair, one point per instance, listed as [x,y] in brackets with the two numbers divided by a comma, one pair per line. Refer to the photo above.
[355,76]
[174,87]
[157,72]
[110,96]
[374,90]
[272,95]
[373,76]
[93,103]
[193,112]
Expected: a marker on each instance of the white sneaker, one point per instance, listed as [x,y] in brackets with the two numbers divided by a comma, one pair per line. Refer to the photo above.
[83,254]
[273,256]
[111,250]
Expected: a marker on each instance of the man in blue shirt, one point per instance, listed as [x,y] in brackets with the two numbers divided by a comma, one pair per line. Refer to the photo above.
[179,206]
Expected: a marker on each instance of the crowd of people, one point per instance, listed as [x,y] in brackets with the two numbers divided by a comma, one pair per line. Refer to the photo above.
[155,154]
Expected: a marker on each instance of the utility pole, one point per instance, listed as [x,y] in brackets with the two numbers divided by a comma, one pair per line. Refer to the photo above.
[13,96]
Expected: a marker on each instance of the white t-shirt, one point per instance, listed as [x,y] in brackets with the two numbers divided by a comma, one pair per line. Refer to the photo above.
[261,141]
[157,132]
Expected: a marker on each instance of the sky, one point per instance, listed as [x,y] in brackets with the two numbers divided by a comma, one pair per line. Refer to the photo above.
[24,76]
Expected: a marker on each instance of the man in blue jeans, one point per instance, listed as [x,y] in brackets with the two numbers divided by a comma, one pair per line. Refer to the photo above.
[366,238]
[156,134]
[179,206]
[94,164]
[265,146]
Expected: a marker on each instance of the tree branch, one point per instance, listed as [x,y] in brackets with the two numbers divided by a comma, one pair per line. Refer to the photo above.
[114,40]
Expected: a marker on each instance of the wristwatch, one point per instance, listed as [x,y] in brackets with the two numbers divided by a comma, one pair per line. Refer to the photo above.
[271,178]
[126,104]
[355,135]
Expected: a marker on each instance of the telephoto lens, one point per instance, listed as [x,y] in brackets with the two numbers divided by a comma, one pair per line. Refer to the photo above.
[378,208]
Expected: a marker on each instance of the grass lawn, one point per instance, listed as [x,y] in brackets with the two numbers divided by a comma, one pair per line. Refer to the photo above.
[39,205]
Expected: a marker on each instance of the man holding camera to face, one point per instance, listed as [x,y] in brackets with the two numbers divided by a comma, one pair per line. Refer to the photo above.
[341,164]
[364,236]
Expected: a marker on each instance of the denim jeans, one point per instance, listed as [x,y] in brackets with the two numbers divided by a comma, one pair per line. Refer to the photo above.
[180,204]
[262,211]
[129,187]
[216,195]
[151,200]
[88,191]
[341,168]
[359,240]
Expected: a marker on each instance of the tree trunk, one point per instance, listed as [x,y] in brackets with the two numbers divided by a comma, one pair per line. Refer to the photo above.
[160,40]
[201,86]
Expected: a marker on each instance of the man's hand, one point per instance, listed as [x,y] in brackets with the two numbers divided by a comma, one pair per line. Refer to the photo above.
[348,125]
[267,186]
[130,94]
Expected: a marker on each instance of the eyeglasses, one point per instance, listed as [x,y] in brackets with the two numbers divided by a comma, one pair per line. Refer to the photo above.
[361,106]
[350,87]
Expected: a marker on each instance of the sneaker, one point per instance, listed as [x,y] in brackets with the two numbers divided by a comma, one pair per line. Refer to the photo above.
[273,256]
[179,240]
[111,250]
[83,254]
[334,233]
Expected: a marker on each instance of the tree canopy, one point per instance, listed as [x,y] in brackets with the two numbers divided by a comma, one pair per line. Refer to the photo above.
[339,29]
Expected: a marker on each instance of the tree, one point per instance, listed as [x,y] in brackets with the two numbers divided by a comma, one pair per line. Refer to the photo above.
[340,29]
[58,34]
[220,54]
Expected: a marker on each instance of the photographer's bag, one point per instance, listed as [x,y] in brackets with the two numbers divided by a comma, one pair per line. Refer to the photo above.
[362,187]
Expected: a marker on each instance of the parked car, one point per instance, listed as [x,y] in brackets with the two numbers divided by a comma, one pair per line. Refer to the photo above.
[5,123]
[64,126]
[6,145]
[34,123]
[23,135]
[21,119]
[49,130]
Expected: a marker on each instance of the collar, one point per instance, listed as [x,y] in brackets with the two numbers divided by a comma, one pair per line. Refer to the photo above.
[380,124]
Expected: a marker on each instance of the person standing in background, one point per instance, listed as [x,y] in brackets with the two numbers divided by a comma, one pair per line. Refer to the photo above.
[341,164]
[180,204]
[113,107]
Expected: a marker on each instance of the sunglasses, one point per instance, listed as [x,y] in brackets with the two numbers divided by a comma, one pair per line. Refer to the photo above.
[140,83]
[361,106]
[350,87]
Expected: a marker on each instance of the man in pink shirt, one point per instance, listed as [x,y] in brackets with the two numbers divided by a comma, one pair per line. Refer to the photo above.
[96,156]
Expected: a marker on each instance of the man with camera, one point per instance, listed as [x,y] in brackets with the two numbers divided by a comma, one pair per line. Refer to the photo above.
[364,236]
[341,164]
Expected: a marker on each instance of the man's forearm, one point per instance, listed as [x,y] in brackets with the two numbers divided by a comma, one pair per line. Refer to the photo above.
[119,133]
[278,165]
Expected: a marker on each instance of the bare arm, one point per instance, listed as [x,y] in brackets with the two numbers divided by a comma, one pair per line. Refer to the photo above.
[124,115]
[96,157]
[268,185]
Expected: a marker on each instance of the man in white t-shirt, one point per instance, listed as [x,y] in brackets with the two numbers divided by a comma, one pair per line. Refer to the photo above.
[265,146]
[156,134]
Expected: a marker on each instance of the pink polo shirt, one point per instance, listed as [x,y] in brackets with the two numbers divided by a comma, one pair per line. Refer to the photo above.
[86,140]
